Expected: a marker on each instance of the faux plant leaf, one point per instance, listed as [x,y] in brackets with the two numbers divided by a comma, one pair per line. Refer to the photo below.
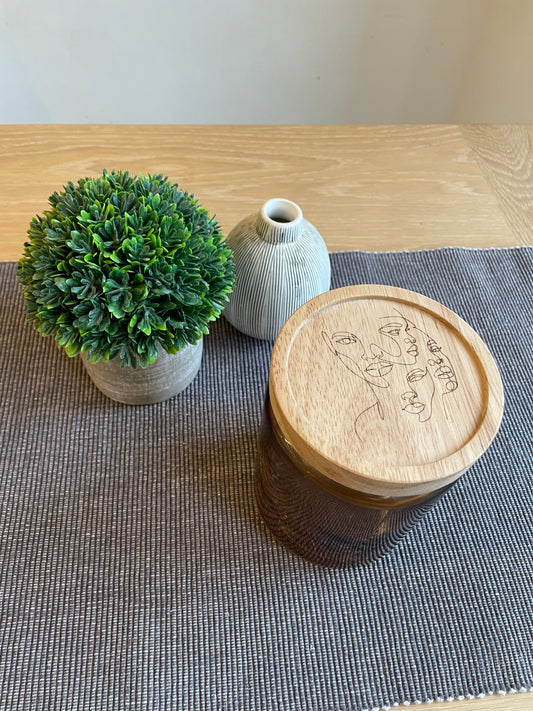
[115,308]
[144,324]
[72,348]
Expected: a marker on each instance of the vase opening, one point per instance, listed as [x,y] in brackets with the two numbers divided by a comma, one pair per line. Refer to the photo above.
[282,211]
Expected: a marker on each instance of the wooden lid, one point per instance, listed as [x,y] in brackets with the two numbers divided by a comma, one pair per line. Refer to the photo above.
[384,391]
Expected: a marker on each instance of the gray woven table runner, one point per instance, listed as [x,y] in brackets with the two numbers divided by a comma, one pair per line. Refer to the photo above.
[136,572]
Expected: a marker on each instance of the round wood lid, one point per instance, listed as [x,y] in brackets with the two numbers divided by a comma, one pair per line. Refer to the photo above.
[384,391]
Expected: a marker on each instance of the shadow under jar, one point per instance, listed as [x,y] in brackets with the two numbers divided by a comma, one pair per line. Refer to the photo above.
[379,399]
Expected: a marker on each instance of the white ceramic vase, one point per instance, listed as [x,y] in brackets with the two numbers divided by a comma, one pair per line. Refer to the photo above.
[161,380]
[281,261]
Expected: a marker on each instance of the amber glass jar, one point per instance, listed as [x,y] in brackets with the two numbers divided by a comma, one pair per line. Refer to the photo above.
[378,400]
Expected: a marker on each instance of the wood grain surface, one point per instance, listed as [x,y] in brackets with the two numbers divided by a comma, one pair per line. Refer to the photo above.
[428,435]
[363,187]
[505,157]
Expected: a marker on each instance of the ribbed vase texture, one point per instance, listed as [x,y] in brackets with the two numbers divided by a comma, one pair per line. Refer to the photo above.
[161,380]
[281,261]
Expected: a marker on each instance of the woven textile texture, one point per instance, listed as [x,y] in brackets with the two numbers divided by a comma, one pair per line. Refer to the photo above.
[136,573]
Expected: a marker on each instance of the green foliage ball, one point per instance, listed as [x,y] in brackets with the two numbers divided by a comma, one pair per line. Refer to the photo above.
[120,266]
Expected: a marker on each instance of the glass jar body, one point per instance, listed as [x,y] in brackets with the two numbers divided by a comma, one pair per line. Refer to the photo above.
[319,520]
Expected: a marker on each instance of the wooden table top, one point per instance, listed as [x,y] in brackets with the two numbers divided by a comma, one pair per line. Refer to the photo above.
[374,188]
[363,187]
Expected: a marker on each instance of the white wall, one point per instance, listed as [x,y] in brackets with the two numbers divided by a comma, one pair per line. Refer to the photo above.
[265,61]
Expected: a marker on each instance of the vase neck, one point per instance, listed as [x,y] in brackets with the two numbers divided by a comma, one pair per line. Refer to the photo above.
[279,221]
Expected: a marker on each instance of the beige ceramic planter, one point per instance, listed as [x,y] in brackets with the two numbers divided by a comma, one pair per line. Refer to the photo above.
[166,377]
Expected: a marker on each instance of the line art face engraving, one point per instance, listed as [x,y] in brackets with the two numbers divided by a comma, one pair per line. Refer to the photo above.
[403,366]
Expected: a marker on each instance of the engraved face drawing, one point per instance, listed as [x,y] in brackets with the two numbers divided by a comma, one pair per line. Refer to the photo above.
[441,367]
[403,366]
[354,356]
[418,398]
[397,342]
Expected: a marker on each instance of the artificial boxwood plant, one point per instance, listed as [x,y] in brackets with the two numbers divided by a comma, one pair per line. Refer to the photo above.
[121,265]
